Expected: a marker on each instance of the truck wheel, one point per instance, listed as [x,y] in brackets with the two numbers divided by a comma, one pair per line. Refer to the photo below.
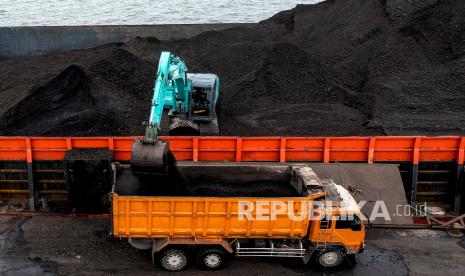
[329,258]
[173,259]
[211,258]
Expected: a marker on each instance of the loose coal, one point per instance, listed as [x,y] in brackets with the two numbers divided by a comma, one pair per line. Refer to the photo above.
[66,99]
[247,189]
[89,178]
[213,184]
[340,67]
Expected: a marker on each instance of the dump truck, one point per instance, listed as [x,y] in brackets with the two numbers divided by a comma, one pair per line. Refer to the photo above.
[231,211]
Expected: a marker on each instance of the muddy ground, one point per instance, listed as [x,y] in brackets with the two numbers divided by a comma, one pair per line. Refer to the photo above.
[340,67]
[81,246]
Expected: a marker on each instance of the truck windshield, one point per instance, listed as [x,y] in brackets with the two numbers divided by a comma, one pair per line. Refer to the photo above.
[354,224]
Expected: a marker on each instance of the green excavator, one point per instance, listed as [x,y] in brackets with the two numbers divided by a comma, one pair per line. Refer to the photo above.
[182,104]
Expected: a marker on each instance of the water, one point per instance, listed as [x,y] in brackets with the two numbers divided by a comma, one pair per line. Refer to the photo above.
[113,12]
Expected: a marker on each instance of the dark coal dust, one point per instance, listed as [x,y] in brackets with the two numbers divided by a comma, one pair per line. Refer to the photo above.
[340,67]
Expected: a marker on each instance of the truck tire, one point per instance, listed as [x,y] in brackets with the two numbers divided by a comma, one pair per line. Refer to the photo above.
[211,258]
[329,258]
[173,259]
[352,260]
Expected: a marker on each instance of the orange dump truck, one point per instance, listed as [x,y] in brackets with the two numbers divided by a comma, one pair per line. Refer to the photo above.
[208,229]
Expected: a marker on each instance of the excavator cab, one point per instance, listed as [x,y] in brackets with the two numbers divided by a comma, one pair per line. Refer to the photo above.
[204,96]
[201,98]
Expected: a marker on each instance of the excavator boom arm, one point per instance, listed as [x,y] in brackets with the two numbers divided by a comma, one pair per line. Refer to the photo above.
[170,90]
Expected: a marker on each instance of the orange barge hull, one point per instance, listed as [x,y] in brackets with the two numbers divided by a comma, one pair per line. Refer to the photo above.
[245,149]
[442,158]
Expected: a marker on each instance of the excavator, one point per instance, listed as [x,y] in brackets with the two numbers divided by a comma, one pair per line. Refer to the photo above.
[182,104]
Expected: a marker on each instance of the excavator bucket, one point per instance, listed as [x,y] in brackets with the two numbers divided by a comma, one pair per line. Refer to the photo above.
[151,159]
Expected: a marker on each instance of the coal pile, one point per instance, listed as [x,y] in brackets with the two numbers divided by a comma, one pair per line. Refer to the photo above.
[340,67]
[102,94]
[67,99]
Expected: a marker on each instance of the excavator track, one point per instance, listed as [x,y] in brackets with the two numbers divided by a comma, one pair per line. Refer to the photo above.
[206,128]
[209,128]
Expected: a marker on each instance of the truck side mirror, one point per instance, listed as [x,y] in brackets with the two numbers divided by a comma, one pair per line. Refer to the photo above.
[356,226]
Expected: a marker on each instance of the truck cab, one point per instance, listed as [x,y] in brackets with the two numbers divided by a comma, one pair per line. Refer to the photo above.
[340,233]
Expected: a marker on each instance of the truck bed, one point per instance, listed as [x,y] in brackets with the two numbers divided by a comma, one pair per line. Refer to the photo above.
[200,216]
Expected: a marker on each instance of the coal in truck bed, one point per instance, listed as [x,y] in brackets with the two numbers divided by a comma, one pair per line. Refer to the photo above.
[206,180]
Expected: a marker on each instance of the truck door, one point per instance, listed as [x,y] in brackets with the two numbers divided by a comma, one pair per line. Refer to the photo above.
[349,232]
